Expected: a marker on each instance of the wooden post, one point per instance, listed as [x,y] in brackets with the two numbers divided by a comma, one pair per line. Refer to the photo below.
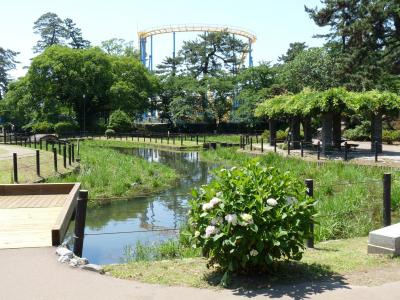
[272,132]
[30,142]
[318,150]
[376,151]
[80,220]
[173,140]
[197,139]
[55,159]
[34,141]
[301,149]
[262,145]
[310,192]
[251,144]
[73,152]
[387,188]
[65,156]
[167,139]
[40,144]
[4,136]
[24,142]
[274,145]
[288,146]
[345,151]
[15,168]
[38,162]
[257,138]
[47,145]
[59,147]
[181,140]
[69,154]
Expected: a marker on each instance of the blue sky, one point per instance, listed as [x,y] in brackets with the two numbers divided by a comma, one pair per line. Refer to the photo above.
[275,22]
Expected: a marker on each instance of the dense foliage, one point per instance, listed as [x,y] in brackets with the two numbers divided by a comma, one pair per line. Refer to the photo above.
[78,85]
[250,217]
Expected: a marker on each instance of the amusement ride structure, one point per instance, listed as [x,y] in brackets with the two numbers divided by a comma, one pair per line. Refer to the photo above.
[143,35]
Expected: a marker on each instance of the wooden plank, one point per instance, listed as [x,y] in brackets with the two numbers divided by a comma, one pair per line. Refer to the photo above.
[35,215]
[35,189]
[61,225]
[27,227]
[25,201]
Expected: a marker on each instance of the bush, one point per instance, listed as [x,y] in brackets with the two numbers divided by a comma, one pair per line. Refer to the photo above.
[390,136]
[249,218]
[120,121]
[280,135]
[361,132]
[64,127]
[42,127]
[110,132]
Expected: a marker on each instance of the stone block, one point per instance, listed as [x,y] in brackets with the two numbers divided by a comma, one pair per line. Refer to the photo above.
[385,240]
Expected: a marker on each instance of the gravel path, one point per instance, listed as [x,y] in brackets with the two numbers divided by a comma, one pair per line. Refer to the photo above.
[34,273]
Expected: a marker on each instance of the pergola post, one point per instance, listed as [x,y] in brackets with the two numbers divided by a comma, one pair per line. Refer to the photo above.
[307,129]
[336,130]
[376,132]
[272,131]
[327,120]
[295,132]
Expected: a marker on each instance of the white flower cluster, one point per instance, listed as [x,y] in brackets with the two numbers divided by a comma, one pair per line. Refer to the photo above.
[272,202]
[231,219]
[213,202]
[291,200]
[210,230]
[246,219]
[253,252]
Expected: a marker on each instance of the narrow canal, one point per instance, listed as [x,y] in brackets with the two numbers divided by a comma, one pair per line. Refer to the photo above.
[114,228]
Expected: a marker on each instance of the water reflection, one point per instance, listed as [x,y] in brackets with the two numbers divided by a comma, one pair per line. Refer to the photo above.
[166,210]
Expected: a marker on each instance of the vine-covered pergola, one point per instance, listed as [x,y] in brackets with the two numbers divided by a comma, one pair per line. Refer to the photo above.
[329,106]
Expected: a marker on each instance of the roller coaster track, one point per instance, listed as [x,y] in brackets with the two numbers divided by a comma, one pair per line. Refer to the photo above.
[149,33]
[198,28]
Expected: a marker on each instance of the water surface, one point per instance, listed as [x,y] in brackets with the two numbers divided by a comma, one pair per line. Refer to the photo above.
[112,228]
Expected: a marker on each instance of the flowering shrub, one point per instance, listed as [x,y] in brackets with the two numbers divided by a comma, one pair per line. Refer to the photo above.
[248,218]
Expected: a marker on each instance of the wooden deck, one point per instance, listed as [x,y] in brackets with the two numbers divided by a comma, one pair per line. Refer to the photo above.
[35,215]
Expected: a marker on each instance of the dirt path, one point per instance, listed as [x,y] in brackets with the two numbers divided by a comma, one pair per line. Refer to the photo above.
[35,274]
[6,151]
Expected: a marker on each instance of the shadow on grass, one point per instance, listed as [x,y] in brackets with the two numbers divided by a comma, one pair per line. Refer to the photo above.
[292,279]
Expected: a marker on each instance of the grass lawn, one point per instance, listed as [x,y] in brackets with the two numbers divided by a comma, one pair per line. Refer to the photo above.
[108,173]
[27,168]
[340,260]
[349,196]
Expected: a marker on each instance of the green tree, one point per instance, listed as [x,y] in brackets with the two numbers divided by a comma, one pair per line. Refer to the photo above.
[292,52]
[119,47]
[52,31]
[120,121]
[75,35]
[133,86]
[254,86]
[368,36]
[7,63]
[211,53]
[314,68]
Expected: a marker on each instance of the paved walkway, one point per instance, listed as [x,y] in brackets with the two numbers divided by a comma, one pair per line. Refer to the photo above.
[34,273]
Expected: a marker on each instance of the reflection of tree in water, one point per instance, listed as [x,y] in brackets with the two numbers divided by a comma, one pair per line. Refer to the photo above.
[193,174]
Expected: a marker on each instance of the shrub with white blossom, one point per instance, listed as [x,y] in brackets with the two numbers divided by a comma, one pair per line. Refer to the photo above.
[249,218]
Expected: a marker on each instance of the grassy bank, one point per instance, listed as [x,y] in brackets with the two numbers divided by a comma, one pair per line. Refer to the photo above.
[336,261]
[106,172]
[349,196]
[156,143]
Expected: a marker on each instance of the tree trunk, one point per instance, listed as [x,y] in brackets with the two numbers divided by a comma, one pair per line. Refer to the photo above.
[295,132]
[272,132]
[326,132]
[376,132]
[336,130]
[307,129]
